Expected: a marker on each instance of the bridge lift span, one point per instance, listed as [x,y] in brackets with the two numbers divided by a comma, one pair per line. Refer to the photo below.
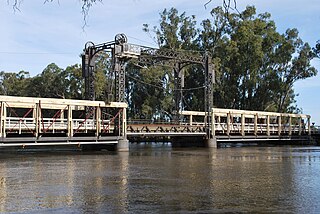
[122,52]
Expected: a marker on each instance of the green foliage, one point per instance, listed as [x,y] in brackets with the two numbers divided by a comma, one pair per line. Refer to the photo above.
[255,67]
[102,76]
[53,82]
[148,92]
[13,84]
[73,82]
[175,31]
[316,49]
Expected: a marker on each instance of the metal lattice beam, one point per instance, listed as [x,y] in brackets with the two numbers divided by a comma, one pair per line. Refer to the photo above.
[123,52]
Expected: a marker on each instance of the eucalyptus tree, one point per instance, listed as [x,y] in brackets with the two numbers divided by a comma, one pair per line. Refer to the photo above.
[50,83]
[255,65]
[316,49]
[177,32]
[74,82]
[14,84]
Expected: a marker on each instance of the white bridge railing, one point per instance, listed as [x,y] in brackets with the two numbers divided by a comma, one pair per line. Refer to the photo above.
[49,125]
[232,121]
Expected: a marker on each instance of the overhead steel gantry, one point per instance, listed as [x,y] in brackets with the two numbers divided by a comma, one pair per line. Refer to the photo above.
[122,52]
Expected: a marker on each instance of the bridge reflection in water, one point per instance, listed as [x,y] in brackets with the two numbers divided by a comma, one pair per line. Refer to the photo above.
[29,121]
[161,179]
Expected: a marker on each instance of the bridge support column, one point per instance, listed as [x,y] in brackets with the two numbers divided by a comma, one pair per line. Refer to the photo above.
[123,145]
[309,125]
[211,143]
[3,115]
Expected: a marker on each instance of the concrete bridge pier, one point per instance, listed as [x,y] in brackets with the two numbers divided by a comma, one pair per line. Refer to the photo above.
[194,142]
[123,145]
[211,143]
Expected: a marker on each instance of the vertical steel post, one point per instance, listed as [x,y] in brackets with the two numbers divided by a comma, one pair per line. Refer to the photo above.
[124,123]
[98,121]
[178,85]
[309,125]
[242,124]
[209,81]
[70,122]
[88,67]
[290,125]
[228,123]
[1,118]
[279,125]
[122,84]
[120,78]
[268,125]
[256,124]
[300,125]
[38,119]
[213,125]
[4,119]
[3,115]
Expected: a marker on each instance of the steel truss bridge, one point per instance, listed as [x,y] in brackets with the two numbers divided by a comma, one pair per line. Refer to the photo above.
[123,52]
[29,121]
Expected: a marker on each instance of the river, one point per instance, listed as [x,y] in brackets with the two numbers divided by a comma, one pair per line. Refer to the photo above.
[155,178]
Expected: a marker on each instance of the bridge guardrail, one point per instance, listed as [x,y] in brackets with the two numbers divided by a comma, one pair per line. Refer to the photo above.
[15,124]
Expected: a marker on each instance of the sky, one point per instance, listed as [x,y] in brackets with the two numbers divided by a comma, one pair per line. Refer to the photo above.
[42,33]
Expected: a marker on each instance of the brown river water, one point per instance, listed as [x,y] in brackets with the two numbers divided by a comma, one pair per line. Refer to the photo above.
[155,178]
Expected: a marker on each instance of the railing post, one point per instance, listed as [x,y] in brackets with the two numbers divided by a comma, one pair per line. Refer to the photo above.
[213,124]
[124,123]
[279,125]
[242,124]
[98,121]
[256,124]
[70,122]
[19,127]
[290,125]
[300,128]
[309,125]
[190,120]
[228,124]
[3,119]
[62,117]
[37,118]
[268,125]
[123,144]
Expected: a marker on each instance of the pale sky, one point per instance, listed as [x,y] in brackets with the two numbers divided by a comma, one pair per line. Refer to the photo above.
[40,34]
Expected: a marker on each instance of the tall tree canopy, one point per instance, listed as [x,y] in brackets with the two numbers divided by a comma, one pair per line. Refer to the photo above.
[53,82]
[256,67]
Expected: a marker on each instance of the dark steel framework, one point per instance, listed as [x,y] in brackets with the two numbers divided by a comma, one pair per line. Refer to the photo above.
[122,52]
